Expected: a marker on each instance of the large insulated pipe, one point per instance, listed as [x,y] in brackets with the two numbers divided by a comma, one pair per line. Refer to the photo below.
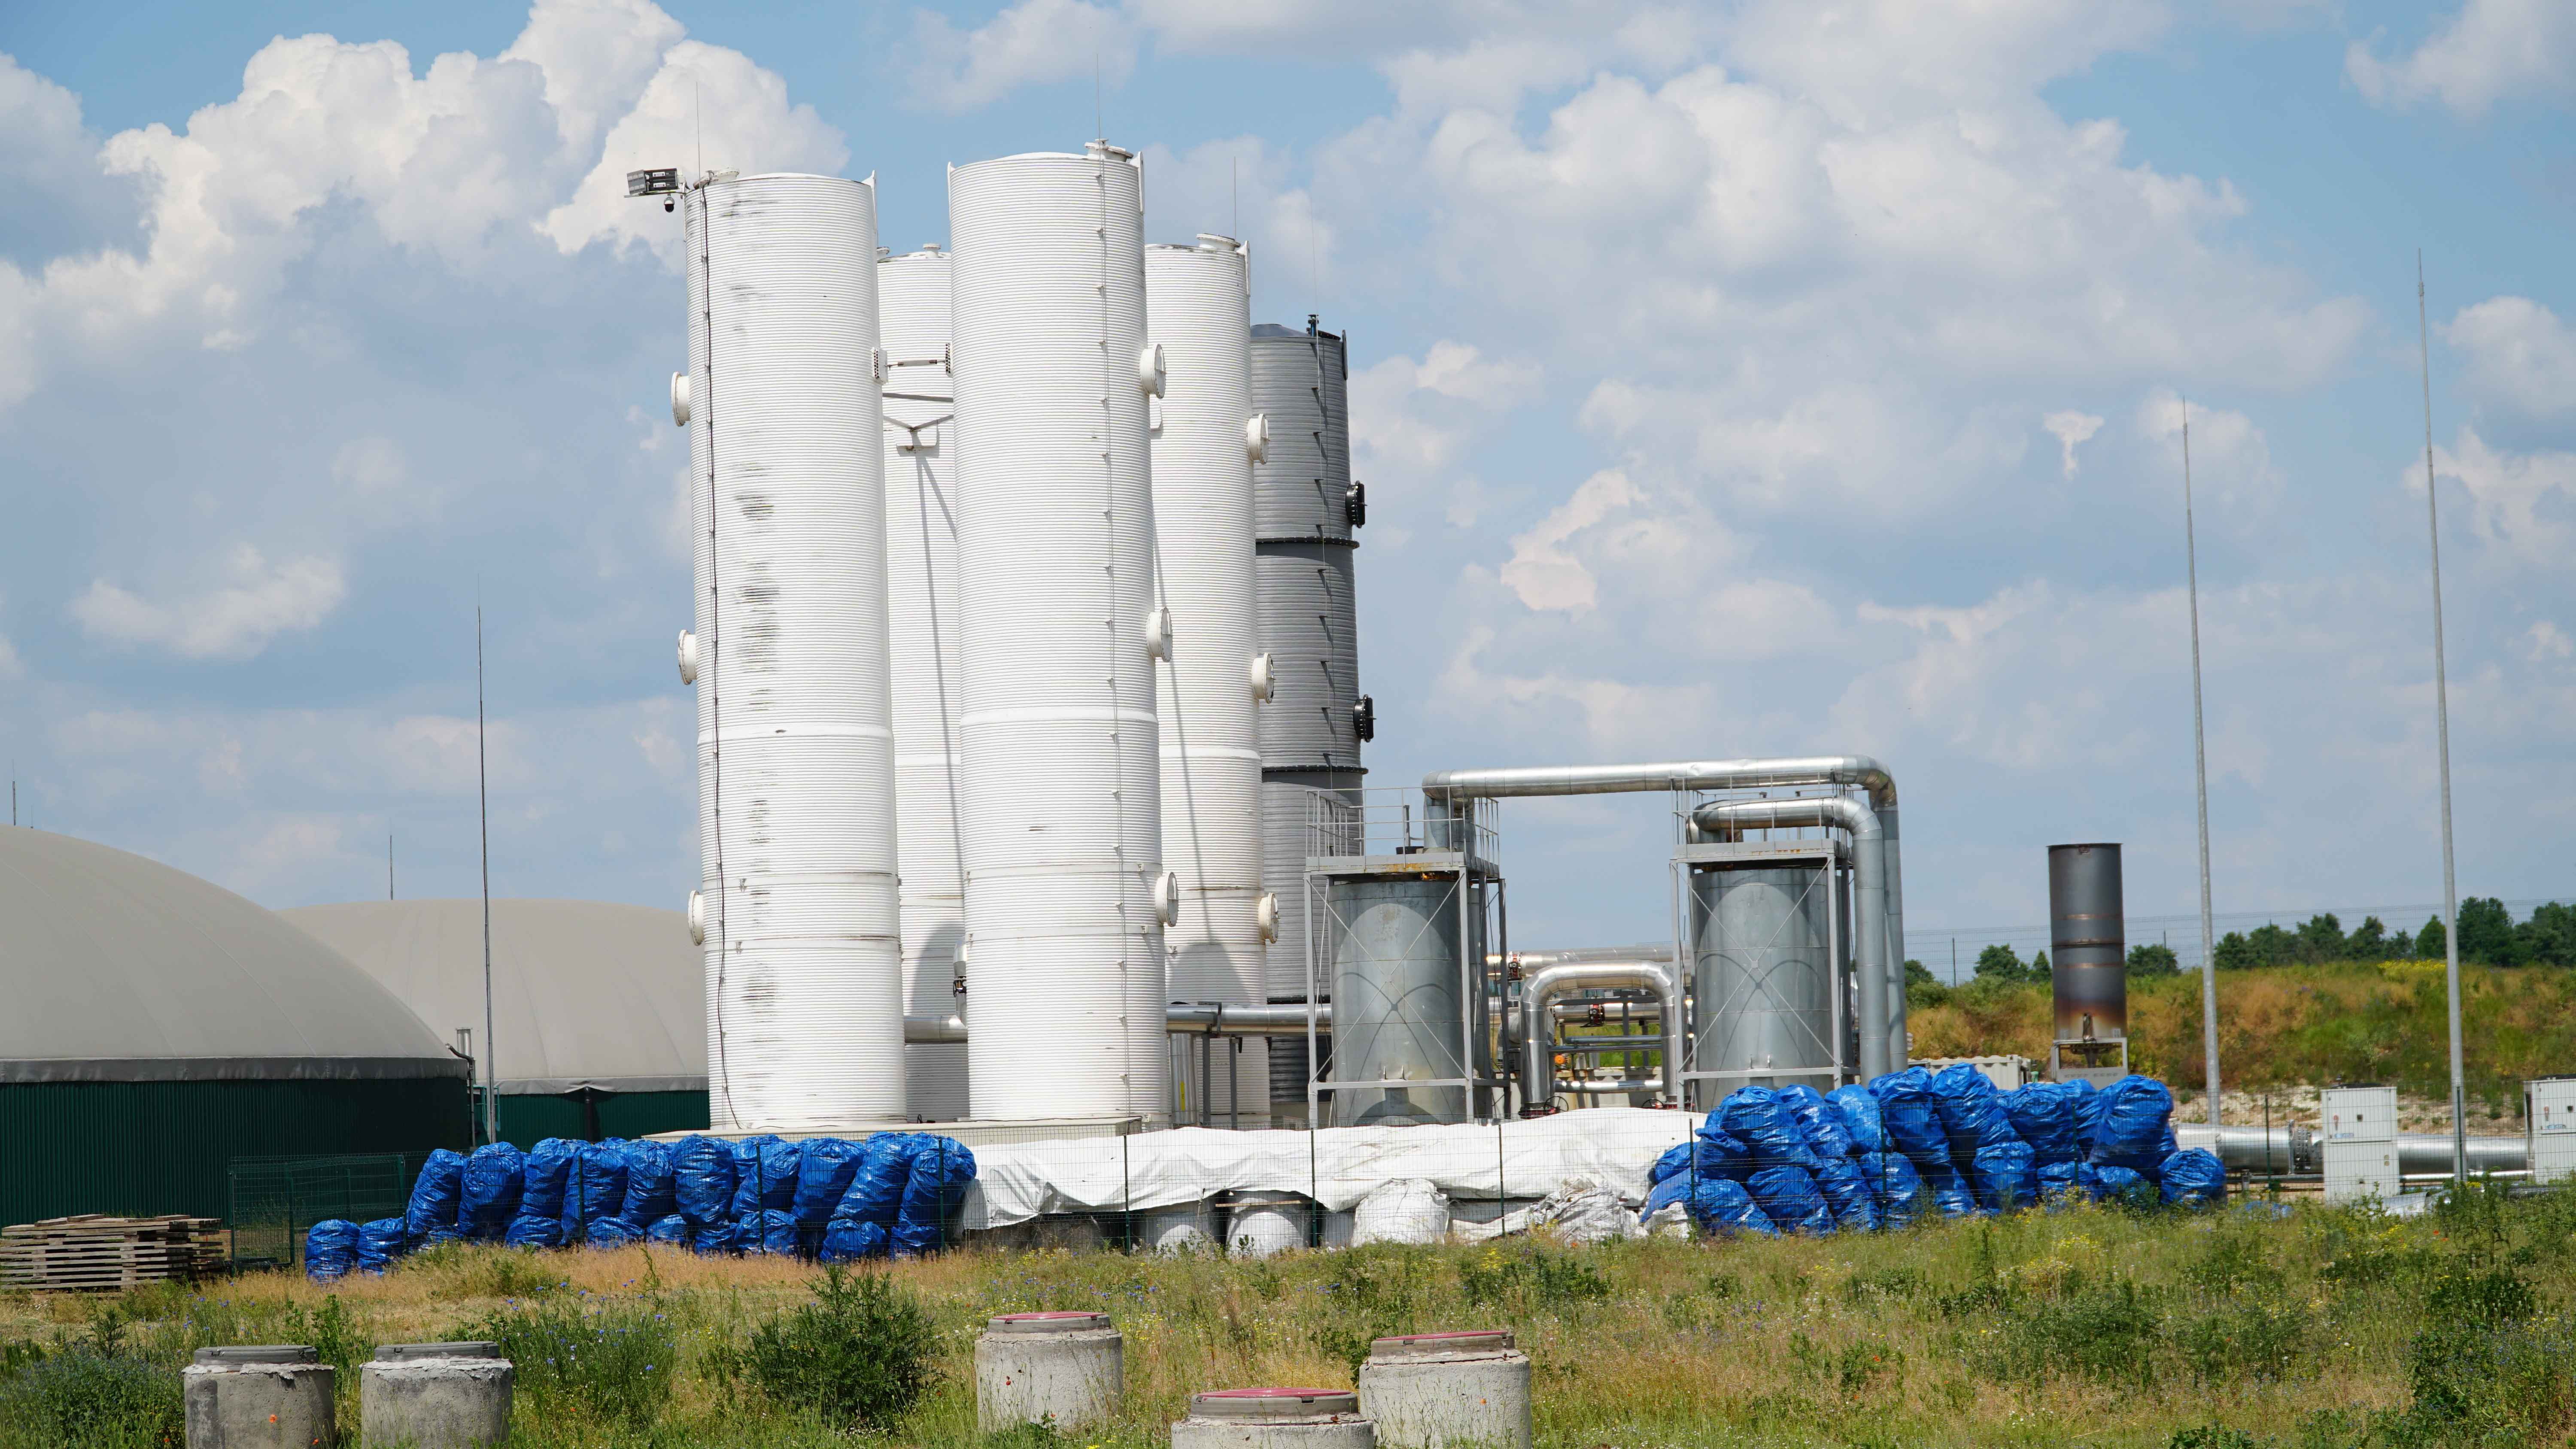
[921,615]
[1538,1033]
[2288,1149]
[1876,974]
[2088,969]
[1059,778]
[1244,1021]
[1677,775]
[795,743]
[1214,677]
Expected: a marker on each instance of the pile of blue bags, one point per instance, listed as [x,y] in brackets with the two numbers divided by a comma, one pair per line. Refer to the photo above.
[825,1197]
[1915,1142]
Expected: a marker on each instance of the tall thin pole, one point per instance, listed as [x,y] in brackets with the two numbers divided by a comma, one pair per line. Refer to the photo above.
[2442,735]
[2200,772]
[389,867]
[483,809]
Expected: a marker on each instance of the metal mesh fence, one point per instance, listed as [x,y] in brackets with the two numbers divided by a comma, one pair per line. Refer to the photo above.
[271,1201]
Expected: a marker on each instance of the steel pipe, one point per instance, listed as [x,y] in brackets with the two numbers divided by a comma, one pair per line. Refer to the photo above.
[1212,1020]
[1538,1035]
[1879,973]
[922,1029]
[2295,1147]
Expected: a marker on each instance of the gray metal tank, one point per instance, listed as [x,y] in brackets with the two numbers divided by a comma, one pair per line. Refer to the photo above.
[2087,943]
[1763,978]
[1300,380]
[1399,1012]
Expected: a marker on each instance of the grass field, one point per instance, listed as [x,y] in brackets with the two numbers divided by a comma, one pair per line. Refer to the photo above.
[2306,1328]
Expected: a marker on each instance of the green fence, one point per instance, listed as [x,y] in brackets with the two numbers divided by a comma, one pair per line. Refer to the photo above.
[272,1201]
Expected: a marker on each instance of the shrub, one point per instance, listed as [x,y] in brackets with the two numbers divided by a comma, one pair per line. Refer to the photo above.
[593,1358]
[859,1355]
[81,1398]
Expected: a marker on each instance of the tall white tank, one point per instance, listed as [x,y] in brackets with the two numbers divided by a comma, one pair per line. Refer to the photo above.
[1209,692]
[1060,816]
[921,611]
[795,746]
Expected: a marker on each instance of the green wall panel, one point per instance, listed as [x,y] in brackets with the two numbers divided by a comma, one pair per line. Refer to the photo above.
[525,1120]
[163,1147]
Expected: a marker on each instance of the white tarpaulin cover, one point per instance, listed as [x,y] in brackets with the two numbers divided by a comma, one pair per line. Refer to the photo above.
[1336,1166]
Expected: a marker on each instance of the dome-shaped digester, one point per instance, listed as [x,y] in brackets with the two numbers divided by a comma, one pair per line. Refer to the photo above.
[153,1026]
[1208,696]
[1058,777]
[598,1008]
[795,743]
[921,612]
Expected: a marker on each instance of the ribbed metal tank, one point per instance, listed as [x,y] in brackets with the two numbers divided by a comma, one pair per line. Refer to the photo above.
[921,613]
[1060,816]
[1206,699]
[2088,969]
[1301,380]
[1763,985]
[1287,838]
[1398,1009]
[795,739]
[1309,627]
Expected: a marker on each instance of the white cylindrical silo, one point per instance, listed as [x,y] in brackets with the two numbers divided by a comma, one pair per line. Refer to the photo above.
[921,613]
[795,745]
[1060,818]
[1209,691]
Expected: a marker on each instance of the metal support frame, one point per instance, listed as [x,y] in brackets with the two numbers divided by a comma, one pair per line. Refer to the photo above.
[1832,865]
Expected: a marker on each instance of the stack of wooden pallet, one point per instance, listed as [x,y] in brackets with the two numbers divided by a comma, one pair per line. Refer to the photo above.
[90,1252]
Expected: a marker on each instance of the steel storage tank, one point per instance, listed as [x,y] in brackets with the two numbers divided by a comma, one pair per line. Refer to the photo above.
[1059,810]
[2088,970]
[921,615]
[1762,978]
[1398,1008]
[1208,692]
[1304,517]
[795,752]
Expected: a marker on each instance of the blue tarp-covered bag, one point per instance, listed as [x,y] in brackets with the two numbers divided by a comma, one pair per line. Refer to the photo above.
[2087,1100]
[770,1230]
[1675,1162]
[611,1232]
[2193,1178]
[824,1167]
[702,1178]
[543,1175]
[490,1194]
[1951,1194]
[1907,1115]
[846,1241]
[1790,1200]
[2043,1115]
[1860,1118]
[330,1249]
[1753,1116]
[533,1232]
[710,1238]
[379,1243]
[1667,1191]
[1723,1209]
[764,1173]
[876,1190]
[1720,1156]
[2123,1185]
[596,1187]
[435,1194]
[669,1228]
[2130,1133]
[1819,1121]
[2061,1182]
[2006,1177]
[1896,1186]
[1847,1193]
[649,1187]
[942,1171]
[1970,1116]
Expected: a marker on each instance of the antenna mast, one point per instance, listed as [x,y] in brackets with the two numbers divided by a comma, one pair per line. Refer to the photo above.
[483,810]
[2442,733]
[2200,770]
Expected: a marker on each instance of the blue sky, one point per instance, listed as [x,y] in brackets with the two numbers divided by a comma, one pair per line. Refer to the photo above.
[1729,380]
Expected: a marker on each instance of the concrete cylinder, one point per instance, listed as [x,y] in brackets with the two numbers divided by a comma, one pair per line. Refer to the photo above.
[276,1396]
[1186,1228]
[1448,1391]
[1274,1419]
[434,1396]
[1057,1369]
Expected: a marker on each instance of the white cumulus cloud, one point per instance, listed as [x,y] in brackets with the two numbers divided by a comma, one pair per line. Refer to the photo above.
[1030,43]
[234,621]
[2489,51]
[2521,355]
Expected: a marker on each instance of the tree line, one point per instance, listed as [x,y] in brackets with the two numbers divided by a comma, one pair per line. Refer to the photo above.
[2489,936]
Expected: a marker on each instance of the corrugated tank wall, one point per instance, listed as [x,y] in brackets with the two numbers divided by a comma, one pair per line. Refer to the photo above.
[1058,740]
[1206,700]
[796,768]
[921,610]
